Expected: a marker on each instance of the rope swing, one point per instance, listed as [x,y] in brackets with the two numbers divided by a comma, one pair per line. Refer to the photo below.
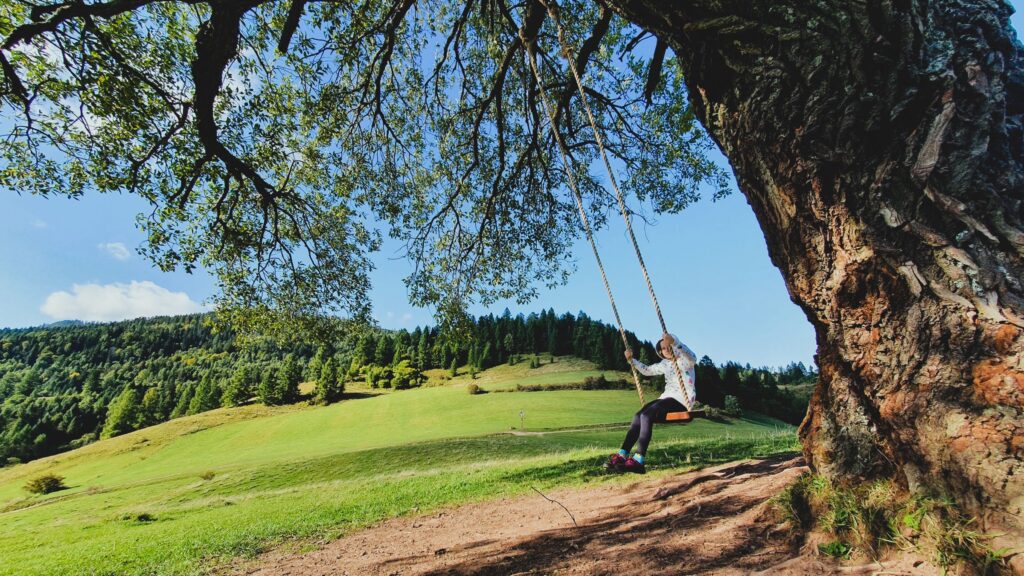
[563,149]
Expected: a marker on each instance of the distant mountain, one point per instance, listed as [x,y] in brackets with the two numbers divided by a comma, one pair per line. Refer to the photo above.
[64,323]
[57,324]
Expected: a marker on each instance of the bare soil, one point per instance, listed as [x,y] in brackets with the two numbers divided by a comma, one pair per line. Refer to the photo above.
[714,521]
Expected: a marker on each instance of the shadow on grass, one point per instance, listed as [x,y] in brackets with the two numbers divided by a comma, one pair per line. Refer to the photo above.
[681,456]
[436,455]
[357,395]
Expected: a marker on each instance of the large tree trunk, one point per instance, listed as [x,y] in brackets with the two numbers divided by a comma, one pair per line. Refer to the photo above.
[880,145]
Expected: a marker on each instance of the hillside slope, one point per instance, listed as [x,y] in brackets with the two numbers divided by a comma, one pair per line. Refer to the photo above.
[173,498]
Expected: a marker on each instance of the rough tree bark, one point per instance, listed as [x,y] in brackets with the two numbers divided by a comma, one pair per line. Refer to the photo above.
[880,146]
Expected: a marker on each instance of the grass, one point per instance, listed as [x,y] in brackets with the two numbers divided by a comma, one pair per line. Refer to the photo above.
[176,498]
[564,369]
[868,518]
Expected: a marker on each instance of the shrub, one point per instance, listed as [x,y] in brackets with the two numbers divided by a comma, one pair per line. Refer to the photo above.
[732,407]
[208,475]
[141,517]
[83,440]
[712,413]
[405,375]
[473,389]
[46,484]
[589,383]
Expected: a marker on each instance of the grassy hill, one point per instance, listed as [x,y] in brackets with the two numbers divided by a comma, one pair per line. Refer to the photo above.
[187,494]
[562,370]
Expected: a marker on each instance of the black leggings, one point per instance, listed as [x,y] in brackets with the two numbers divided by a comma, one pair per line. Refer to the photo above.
[643,422]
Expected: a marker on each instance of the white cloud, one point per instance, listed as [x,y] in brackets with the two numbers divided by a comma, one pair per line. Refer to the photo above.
[116,249]
[108,302]
[41,224]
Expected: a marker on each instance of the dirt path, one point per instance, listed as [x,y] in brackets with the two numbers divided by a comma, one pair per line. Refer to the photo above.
[708,522]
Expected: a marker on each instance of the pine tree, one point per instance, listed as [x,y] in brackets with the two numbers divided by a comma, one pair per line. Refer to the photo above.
[316,364]
[484,361]
[269,392]
[125,413]
[423,359]
[366,351]
[185,392]
[645,356]
[454,369]
[288,380]
[239,387]
[441,355]
[709,383]
[354,369]
[328,387]
[385,350]
[731,380]
[150,411]
[207,396]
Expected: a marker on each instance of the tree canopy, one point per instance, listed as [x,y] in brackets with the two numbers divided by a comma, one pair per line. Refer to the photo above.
[277,141]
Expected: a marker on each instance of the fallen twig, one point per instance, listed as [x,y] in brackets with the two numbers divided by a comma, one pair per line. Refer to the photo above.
[560,504]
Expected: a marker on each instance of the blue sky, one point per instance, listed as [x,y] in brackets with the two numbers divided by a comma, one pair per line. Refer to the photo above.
[717,288]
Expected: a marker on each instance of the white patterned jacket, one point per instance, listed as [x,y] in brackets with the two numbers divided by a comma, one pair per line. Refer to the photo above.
[687,360]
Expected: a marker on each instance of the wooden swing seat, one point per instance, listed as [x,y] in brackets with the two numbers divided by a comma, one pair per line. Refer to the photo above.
[683,417]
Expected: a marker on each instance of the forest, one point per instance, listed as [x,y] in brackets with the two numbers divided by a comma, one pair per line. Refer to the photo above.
[62,387]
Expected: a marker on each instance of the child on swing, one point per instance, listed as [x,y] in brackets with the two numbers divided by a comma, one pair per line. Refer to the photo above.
[673,399]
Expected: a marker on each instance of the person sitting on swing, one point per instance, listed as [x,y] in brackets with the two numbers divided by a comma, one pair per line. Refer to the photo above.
[673,399]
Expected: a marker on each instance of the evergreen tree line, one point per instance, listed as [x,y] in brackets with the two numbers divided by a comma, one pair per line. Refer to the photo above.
[772,392]
[398,359]
[62,387]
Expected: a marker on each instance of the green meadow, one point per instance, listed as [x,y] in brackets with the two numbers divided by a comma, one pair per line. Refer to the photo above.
[188,495]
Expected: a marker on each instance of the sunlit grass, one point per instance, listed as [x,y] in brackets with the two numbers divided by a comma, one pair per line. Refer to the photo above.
[169,499]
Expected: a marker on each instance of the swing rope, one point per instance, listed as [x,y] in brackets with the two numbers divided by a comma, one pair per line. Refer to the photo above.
[567,54]
[579,204]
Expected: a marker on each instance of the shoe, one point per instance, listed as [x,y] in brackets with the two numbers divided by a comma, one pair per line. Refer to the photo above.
[615,463]
[633,466]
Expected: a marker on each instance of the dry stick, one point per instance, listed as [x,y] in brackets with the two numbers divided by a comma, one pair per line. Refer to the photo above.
[611,176]
[579,201]
[560,504]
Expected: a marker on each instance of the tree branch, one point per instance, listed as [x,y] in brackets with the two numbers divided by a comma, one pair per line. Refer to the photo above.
[654,72]
[291,23]
[216,45]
